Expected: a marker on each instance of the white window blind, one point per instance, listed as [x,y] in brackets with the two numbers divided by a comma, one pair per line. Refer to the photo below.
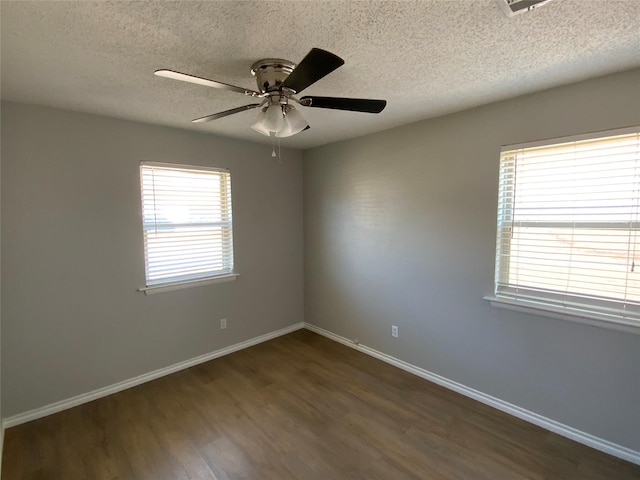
[568,220]
[187,222]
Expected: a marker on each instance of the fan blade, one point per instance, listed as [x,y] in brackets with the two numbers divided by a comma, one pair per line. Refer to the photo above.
[353,104]
[205,81]
[215,116]
[312,68]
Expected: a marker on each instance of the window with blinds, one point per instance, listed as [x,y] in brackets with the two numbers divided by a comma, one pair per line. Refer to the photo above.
[188,233]
[568,219]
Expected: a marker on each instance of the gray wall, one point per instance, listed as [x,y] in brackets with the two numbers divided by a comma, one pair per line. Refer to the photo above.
[72,253]
[400,229]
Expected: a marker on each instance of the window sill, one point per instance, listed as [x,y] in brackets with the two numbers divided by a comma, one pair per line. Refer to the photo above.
[168,287]
[562,313]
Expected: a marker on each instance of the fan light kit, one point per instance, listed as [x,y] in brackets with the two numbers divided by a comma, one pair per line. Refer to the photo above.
[278,82]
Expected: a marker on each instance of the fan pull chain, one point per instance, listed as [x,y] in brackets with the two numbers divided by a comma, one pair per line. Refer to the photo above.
[273,148]
[273,144]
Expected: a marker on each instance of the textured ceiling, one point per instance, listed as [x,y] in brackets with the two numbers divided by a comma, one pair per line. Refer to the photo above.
[425,57]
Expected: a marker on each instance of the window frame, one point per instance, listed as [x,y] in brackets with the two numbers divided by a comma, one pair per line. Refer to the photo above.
[550,304]
[214,276]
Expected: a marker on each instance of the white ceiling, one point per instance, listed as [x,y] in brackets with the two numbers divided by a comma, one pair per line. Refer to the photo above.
[425,57]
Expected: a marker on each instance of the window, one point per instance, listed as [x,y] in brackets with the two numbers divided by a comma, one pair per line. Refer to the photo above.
[187,225]
[568,220]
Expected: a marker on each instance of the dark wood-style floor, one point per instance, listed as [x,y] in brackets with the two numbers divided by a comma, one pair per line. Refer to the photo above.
[297,407]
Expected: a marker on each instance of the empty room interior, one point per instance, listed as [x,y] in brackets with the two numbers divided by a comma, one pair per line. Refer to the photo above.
[251,240]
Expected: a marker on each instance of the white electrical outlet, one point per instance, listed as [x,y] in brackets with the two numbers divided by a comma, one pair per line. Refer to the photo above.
[394,331]
[223,323]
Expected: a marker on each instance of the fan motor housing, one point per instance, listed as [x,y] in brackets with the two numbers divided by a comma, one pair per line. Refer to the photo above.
[514,7]
[271,72]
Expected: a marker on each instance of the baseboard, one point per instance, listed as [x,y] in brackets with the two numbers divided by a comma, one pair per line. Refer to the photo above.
[2,427]
[147,377]
[531,417]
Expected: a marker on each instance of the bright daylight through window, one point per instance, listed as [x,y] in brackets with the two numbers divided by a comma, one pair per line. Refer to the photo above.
[568,219]
[187,223]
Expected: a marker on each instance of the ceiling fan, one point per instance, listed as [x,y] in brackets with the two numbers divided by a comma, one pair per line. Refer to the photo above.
[278,82]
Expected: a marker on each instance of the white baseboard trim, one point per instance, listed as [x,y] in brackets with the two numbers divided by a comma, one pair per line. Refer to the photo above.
[132,382]
[531,417]
[2,427]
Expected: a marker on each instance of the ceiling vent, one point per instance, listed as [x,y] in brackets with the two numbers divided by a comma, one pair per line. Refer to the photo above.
[513,7]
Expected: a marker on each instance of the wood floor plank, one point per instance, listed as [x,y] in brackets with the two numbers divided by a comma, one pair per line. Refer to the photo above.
[299,407]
